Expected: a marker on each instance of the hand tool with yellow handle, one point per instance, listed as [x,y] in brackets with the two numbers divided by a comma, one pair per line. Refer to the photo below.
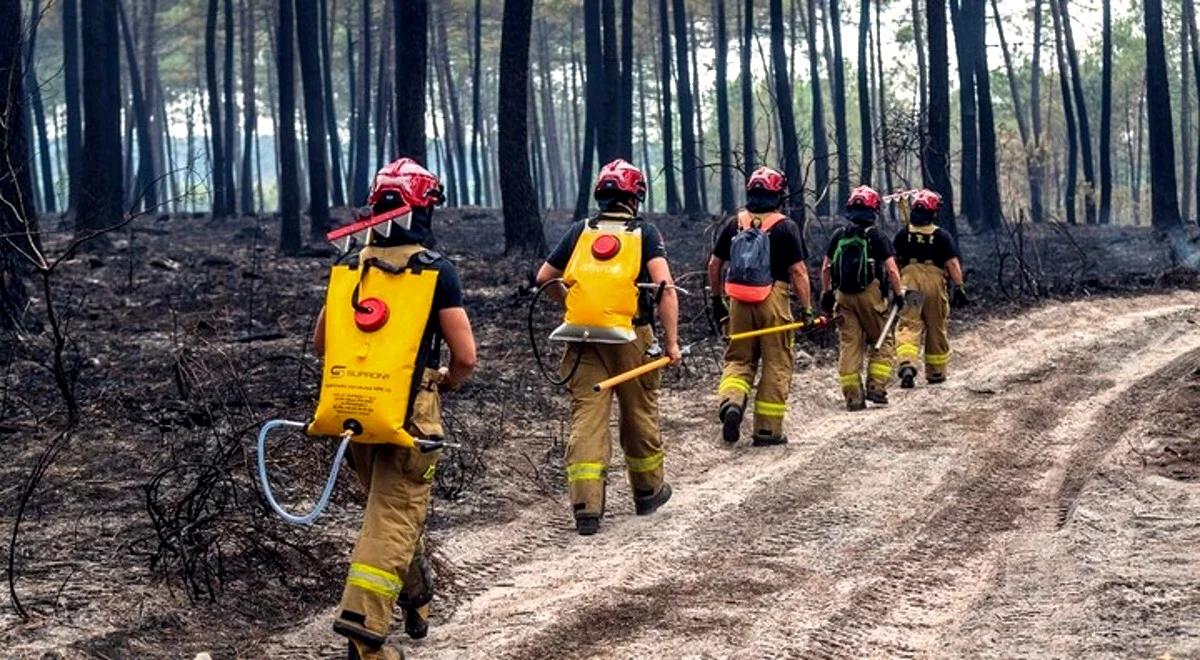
[818,322]
[631,374]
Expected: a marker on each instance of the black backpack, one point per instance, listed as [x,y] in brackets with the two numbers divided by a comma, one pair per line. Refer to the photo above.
[749,277]
[852,268]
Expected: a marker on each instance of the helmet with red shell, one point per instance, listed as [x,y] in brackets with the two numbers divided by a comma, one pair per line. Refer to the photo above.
[620,176]
[415,186]
[864,197]
[927,201]
[767,179]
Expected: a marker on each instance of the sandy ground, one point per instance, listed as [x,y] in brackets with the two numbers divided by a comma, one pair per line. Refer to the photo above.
[1042,502]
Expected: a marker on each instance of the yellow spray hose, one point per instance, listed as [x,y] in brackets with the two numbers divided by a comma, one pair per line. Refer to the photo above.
[818,322]
[631,374]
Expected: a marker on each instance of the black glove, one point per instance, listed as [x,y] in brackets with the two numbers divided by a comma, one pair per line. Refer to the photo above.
[898,299]
[809,316]
[719,311]
[959,298]
[828,299]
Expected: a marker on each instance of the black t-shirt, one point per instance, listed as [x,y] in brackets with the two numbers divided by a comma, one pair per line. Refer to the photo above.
[787,246]
[881,248]
[935,248]
[653,247]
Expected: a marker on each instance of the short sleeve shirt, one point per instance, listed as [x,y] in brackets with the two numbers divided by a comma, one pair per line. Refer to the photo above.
[936,248]
[653,247]
[787,246]
[881,248]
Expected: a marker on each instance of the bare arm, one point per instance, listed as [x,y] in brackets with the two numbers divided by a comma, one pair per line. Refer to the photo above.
[318,333]
[668,306]
[800,283]
[893,275]
[714,274]
[954,268]
[826,275]
[547,273]
[456,331]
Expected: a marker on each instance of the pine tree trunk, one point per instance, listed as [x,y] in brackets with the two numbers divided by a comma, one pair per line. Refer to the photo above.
[642,114]
[922,69]
[1019,110]
[159,123]
[230,106]
[1037,175]
[455,119]
[701,152]
[1189,9]
[992,215]
[549,121]
[728,203]
[383,95]
[885,154]
[1106,175]
[689,165]
[936,153]
[1085,133]
[217,142]
[411,63]
[1068,112]
[70,39]
[325,25]
[308,40]
[360,184]
[102,188]
[1185,125]
[625,144]
[791,151]
[593,61]
[864,96]
[837,73]
[476,105]
[522,222]
[749,158]
[787,117]
[1164,205]
[39,114]
[665,113]
[289,176]
[964,46]
[145,193]
[249,105]
[17,221]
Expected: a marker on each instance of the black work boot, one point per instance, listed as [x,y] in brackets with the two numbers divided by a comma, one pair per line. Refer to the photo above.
[731,423]
[935,379]
[645,504]
[855,402]
[587,525]
[878,397]
[768,439]
[908,377]
[415,625]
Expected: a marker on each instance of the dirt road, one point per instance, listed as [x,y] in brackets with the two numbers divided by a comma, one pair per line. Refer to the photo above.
[1042,502]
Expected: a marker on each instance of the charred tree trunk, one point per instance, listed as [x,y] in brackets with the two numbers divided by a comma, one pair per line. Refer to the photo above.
[1037,176]
[1027,144]
[837,74]
[360,180]
[749,157]
[289,175]
[145,193]
[1085,133]
[991,214]
[625,144]
[476,104]
[689,169]
[16,182]
[701,171]
[70,37]
[593,60]
[664,90]
[922,69]
[249,106]
[549,121]
[1185,124]
[864,94]
[34,92]
[787,117]
[522,222]
[411,63]
[1068,113]
[102,188]
[936,152]
[217,180]
[308,39]
[1189,8]
[230,105]
[728,203]
[455,127]
[784,96]
[331,124]
[1164,198]
[1106,174]
[964,46]
[608,135]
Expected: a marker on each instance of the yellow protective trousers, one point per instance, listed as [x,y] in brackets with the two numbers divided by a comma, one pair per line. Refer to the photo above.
[928,322]
[777,352]
[388,562]
[590,444]
[863,317]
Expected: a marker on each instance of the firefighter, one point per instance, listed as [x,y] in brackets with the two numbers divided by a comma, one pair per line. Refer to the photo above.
[928,256]
[601,260]
[858,265]
[388,565]
[765,253]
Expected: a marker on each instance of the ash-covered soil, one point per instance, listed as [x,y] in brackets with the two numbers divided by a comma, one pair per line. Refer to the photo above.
[1044,501]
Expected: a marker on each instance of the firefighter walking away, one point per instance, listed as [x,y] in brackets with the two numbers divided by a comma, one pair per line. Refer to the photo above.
[609,321]
[765,255]
[858,278]
[387,565]
[928,257]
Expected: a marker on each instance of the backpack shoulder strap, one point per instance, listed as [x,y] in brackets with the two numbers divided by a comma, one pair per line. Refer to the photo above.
[423,260]
[771,220]
[745,220]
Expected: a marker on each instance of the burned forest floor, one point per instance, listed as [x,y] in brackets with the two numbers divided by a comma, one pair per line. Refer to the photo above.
[1042,502]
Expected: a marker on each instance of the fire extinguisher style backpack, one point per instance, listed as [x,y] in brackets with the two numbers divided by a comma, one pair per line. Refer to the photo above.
[749,277]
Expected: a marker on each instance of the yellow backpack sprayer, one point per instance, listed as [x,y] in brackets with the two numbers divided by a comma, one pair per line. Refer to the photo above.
[372,355]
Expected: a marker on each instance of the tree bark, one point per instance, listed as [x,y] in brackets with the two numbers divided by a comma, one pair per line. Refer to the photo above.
[1037,177]
[864,98]
[791,151]
[34,92]
[749,158]
[728,203]
[664,118]
[625,144]
[70,38]
[964,46]
[249,105]
[476,105]
[992,215]
[936,152]
[837,74]
[593,61]
[608,136]
[522,222]
[701,163]
[230,105]
[1106,175]
[1068,112]
[217,148]
[325,26]
[1189,8]
[1185,123]
[308,39]
[1027,144]
[360,179]
[411,63]
[549,121]
[642,115]
[1085,134]
[1164,199]
[456,119]
[289,176]
[17,221]
[102,188]
[145,193]
[787,117]
[687,114]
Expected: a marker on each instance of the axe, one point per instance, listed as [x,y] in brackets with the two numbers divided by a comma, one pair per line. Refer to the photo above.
[911,298]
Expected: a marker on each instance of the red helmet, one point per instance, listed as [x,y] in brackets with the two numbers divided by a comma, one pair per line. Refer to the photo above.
[767,179]
[926,200]
[864,197]
[621,176]
[416,186]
